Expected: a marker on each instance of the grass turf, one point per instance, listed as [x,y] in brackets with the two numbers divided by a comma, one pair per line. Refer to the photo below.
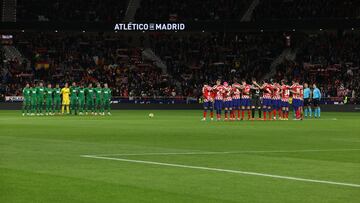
[40,158]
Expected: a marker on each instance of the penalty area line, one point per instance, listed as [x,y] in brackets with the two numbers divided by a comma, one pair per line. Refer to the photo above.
[224,171]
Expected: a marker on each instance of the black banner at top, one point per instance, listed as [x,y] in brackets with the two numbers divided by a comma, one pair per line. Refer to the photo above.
[198,26]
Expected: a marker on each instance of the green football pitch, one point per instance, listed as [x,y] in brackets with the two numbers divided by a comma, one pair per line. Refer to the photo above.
[175,157]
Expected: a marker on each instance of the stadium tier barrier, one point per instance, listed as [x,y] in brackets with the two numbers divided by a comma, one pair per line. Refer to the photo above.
[179,103]
[181,100]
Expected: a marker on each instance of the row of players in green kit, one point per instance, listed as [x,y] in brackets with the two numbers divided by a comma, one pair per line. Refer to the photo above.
[39,99]
[95,100]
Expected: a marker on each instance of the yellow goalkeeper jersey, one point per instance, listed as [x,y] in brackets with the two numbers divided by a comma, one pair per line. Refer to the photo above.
[65,92]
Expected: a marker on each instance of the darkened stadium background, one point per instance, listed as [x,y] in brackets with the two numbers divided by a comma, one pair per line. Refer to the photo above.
[57,41]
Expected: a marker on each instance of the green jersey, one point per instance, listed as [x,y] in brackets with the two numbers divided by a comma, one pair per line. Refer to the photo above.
[89,93]
[57,92]
[107,93]
[27,92]
[81,93]
[98,93]
[73,91]
[33,92]
[40,91]
[49,93]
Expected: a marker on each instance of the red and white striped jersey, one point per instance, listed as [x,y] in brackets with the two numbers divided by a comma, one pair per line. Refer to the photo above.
[235,93]
[236,85]
[276,91]
[207,93]
[295,88]
[219,91]
[267,91]
[246,91]
[227,93]
[285,92]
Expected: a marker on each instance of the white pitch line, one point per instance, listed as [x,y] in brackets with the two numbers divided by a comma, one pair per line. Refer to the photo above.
[226,152]
[225,170]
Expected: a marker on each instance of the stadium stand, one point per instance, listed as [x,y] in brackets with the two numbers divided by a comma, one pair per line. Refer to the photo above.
[184,10]
[74,10]
[328,58]
[188,10]
[306,9]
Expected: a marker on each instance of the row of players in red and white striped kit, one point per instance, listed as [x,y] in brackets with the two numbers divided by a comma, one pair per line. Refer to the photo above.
[244,97]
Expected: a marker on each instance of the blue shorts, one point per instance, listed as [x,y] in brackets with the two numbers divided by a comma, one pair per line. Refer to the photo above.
[301,102]
[236,103]
[284,104]
[296,103]
[245,102]
[228,104]
[267,102]
[276,103]
[208,104]
[218,104]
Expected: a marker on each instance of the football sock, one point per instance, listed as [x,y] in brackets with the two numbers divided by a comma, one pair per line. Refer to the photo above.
[248,112]
[238,112]
[298,113]
[310,112]
[269,114]
[204,114]
[264,115]
[252,113]
[242,114]
[306,112]
[211,113]
[259,110]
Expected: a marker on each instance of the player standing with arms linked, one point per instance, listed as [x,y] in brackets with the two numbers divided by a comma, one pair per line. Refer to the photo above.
[245,99]
[219,91]
[98,99]
[295,90]
[255,100]
[27,100]
[107,98]
[208,101]
[81,99]
[307,101]
[227,100]
[33,100]
[48,100]
[267,95]
[57,99]
[89,97]
[276,100]
[73,98]
[301,98]
[65,92]
[316,99]
[40,92]
[236,99]
[285,94]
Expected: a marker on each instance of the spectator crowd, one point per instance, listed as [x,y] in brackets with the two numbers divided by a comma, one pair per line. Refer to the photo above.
[330,59]
[183,10]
